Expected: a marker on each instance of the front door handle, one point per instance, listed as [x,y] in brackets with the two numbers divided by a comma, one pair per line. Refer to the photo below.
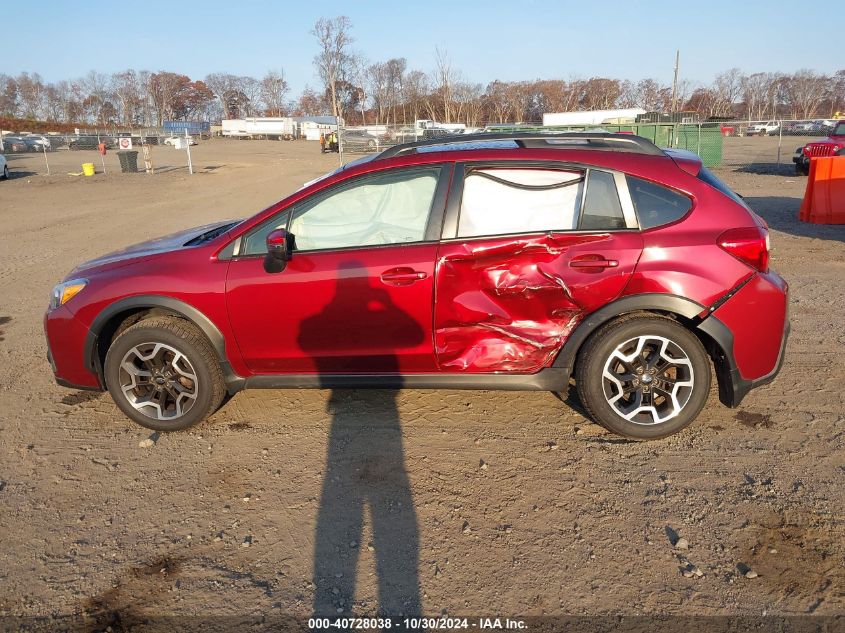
[593,261]
[402,276]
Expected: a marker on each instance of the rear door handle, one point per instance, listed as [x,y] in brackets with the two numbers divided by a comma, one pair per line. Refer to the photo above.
[402,276]
[593,261]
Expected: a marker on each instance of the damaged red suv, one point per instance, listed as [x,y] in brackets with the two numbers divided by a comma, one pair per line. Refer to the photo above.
[512,261]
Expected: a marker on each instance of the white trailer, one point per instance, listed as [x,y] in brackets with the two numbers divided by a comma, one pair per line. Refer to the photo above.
[274,128]
[592,117]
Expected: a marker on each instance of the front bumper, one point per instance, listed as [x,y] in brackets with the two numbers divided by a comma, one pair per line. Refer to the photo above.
[66,336]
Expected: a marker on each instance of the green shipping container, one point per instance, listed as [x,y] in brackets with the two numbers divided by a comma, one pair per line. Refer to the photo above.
[705,139]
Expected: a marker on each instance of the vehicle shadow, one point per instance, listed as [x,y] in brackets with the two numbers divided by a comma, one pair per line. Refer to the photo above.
[781,214]
[14,170]
[773,169]
[365,468]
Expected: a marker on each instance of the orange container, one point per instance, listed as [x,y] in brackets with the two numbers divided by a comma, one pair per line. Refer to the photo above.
[824,198]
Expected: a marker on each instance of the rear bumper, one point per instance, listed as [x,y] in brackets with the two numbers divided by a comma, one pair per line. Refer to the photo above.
[751,329]
[739,386]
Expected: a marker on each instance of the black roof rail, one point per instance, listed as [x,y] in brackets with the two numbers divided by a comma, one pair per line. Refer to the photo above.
[605,141]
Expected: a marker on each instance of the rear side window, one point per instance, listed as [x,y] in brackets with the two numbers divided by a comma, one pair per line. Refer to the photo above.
[656,205]
[505,201]
[602,210]
[711,179]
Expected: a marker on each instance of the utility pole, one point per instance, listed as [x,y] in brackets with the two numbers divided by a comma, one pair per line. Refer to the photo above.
[675,82]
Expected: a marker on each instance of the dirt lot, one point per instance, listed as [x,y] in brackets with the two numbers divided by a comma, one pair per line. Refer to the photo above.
[484,503]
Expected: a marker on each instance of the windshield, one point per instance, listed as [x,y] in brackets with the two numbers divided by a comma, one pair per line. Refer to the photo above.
[360,161]
[839,130]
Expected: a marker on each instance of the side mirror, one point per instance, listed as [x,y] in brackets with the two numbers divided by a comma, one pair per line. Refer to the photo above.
[279,250]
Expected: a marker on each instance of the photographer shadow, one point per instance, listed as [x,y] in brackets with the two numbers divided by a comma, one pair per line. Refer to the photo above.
[365,468]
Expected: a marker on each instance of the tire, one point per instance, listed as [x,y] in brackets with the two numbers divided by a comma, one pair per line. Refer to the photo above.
[5,175]
[610,355]
[801,170]
[171,350]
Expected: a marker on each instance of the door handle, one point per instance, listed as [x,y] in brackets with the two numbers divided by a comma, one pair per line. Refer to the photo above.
[402,276]
[593,261]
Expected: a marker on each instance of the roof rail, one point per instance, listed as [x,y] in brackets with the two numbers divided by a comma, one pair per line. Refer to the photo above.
[605,141]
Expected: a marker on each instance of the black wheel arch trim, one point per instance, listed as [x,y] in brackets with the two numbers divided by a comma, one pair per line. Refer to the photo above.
[634,303]
[714,334]
[171,304]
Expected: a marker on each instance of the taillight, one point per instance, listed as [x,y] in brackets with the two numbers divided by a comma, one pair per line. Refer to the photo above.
[749,245]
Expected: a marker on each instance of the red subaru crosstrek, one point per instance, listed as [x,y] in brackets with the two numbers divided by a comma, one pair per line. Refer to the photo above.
[512,261]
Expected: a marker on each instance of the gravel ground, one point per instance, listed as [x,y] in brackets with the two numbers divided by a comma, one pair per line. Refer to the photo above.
[474,503]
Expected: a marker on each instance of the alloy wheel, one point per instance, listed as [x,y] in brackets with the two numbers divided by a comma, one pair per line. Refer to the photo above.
[158,381]
[648,380]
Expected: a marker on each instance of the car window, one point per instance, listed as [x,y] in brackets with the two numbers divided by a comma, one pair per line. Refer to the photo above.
[656,205]
[389,208]
[255,242]
[602,209]
[711,179]
[504,201]
[384,209]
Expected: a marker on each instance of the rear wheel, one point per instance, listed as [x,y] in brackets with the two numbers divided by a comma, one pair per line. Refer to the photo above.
[643,377]
[5,175]
[163,374]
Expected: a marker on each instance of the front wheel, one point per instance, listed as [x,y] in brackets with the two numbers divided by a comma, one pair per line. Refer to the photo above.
[163,374]
[643,377]
[5,175]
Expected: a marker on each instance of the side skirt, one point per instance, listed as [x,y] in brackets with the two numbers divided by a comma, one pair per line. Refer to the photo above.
[551,379]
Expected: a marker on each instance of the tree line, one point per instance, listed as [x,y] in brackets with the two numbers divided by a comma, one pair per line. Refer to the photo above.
[385,92]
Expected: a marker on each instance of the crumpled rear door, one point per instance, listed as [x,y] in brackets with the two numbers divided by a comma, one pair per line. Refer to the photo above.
[507,304]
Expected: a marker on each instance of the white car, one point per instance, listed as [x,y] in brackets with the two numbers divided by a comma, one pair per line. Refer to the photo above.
[171,140]
[4,168]
[762,128]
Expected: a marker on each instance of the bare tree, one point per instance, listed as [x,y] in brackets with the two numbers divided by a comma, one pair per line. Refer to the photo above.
[127,91]
[310,103]
[726,91]
[804,92]
[358,75]
[250,90]
[222,85]
[30,94]
[444,77]
[496,101]
[600,93]
[395,69]
[334,57]
[378,82]
[468,101]
[273,91]
[414,91]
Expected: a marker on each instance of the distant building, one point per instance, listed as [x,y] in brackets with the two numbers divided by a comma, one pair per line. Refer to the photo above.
[593,117]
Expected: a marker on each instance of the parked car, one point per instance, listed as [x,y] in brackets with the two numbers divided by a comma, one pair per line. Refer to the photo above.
[359,140]
[468,263]
[172,140]
[4,168]
[15,145]
[833,145]
[91,142]
[36,143]
[762,128]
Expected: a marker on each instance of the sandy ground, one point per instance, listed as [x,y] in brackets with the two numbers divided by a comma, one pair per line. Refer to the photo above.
[476,503]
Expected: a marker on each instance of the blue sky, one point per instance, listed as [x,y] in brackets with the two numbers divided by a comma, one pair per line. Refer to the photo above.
[507,40]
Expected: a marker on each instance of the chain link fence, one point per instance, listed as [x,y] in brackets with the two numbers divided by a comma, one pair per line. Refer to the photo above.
[765,147]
